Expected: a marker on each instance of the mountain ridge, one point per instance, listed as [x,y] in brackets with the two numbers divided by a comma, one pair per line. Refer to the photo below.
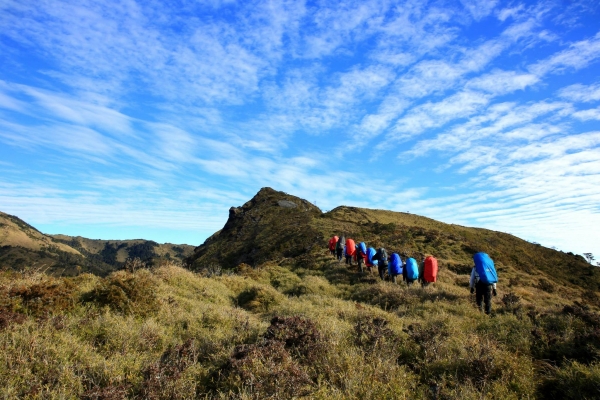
[22,246]
[263,230]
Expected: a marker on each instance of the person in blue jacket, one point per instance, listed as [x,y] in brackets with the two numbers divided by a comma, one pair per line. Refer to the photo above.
[395,267]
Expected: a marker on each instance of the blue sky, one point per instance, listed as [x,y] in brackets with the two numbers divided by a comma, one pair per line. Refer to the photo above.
[128,119]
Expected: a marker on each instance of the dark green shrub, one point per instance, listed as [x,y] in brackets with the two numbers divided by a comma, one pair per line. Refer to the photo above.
[126,292]
[258,299]
[372,332]
[284,364]
[46,297]
[573,381]
[546,286]
[299,335]
[160,378]
[388,297]
[573,334]
[264,370]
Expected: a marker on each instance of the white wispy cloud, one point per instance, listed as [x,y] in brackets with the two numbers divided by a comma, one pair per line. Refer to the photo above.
[586,115]
[581,93]
[501,82]
[579,55]
[190,107]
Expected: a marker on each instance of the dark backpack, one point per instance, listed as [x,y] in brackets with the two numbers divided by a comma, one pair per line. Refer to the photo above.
[383,257]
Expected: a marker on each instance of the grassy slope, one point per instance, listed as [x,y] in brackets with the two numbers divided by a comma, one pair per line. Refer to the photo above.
[172,333]
[15,232]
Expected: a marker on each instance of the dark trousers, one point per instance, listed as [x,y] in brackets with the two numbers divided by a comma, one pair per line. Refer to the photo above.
[361,263]
[339,254]
[382,269]
[348,259]
[483,294]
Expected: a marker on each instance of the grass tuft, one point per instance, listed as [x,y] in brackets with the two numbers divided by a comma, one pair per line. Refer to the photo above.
[126,292]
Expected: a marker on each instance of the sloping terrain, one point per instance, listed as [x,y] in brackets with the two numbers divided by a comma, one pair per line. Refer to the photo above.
[24,247]
[268,313]
[263,229]
[16,233]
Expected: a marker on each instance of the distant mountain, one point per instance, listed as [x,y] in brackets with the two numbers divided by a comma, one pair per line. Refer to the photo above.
[276,226]
[24,247]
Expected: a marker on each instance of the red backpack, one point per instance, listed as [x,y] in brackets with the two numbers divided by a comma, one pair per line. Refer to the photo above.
[430,270]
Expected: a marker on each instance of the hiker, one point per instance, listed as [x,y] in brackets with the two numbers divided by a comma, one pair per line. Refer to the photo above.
[411,271]
[339,248]
[382,262]
[361,256]
[483,281]
[332,243]
[350,251]
[370,260]
[395,267]
[428,270]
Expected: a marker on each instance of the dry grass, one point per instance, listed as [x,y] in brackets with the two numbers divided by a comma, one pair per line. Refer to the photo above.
[275,332]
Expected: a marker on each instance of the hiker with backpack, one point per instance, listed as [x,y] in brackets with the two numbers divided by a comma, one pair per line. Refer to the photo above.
[395,267]
[371,261]
[332,244]
[411,271]
[382,262]
[361,256]
[349,251]
[428,270]
[483,281]
[339,248]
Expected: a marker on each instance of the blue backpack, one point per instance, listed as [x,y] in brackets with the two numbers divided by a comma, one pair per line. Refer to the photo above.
[363,247]
[412,269]
[371,254]
[395,265]
[484,266]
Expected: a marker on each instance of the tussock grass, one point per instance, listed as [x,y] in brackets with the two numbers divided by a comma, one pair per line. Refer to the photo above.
[285,332]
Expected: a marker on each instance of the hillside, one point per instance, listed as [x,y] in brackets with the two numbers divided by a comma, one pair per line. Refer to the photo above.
[266,312]
[268,228]
[24,247]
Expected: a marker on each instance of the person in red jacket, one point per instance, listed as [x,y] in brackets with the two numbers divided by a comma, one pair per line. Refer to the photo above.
[332,243]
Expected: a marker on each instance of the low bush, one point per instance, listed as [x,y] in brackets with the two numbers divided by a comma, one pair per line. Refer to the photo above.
[126,292]
[278,365]
[573,381]
[264,371]
[386,296]
[46,297]
[259,298]
[9,318]
[160,378]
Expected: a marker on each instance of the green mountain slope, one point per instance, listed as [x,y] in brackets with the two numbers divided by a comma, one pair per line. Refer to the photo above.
[266,229]
[24,247]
